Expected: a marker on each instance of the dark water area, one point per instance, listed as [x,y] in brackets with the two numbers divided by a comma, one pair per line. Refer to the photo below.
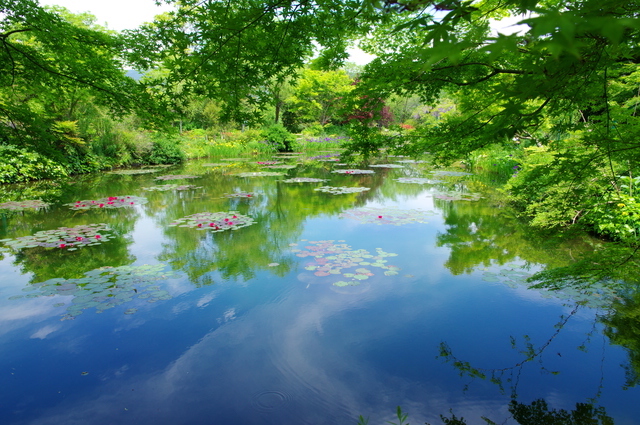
[312,308]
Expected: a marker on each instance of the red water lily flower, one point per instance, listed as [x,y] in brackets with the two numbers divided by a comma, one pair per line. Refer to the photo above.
[62,245]
[98,236]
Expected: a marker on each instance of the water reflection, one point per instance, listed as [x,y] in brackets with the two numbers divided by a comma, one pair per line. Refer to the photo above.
[249,333]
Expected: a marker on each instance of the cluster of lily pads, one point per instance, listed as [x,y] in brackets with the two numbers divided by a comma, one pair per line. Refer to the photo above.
[340,190]
[353,171]
[215,222]
[267,162]
[333,259]
[282,166]
[104,288]
[69,238]
[450,173]
[167,187]
[108,202]
[135,171]
[34,204]
[260,174]
[304,180]
[239,195]
[387,166]
[176,177]
[395,216]
[417,180]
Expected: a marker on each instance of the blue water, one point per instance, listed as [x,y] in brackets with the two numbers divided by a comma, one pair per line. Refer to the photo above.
[243,341]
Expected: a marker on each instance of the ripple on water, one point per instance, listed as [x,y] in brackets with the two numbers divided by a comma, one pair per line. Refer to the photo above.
[268,401]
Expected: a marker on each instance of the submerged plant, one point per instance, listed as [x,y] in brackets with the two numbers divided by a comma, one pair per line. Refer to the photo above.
[104,288]
[215,222]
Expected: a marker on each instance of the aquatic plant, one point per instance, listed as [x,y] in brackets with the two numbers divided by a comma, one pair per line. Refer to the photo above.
[267,162]
[303,180]
[216,164]
[450,173]
[339,190]
[135,171]
[260,174]
[417,180]
[215,222]
[452,195]
[167,187]
[387,165]
[34,204]
[353,171]
[332,259]
[108,202]
[177,177]
[282,166]
[412,161]
[395,216]
[68,238]
[239,195]
[104,288]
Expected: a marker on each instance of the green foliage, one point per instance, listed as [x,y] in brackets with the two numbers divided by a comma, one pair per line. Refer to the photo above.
[165,150]
[19,165]
[279,137]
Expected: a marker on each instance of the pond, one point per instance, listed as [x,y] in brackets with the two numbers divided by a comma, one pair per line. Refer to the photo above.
[294,291]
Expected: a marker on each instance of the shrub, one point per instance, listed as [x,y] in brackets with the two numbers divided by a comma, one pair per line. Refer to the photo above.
[165,151]
[19,165]
[279,137]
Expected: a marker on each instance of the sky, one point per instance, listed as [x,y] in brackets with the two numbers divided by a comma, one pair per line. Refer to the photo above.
[114,14]
[129,14]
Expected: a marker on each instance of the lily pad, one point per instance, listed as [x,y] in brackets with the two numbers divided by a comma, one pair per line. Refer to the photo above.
[34,204]
[267,162]
[340,190]
[260,174]
[353,171]
[239,195]
[394,216]
[387,166]
[282,166]
[63,237]
[177,177]
[411,161]
[417,180]
[134,171]
[304,180]
[450,173]
[216,164]
[167,187]
[215,222]
[108,202]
